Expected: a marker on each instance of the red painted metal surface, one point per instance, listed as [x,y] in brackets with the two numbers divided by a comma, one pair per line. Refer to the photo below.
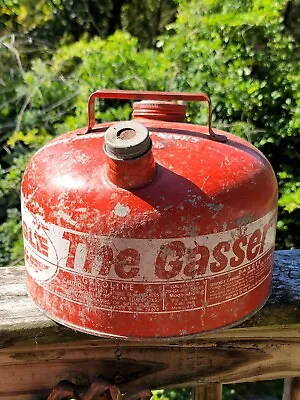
[137,249]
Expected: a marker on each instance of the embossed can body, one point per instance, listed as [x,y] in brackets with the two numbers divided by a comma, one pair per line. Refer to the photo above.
[173,240]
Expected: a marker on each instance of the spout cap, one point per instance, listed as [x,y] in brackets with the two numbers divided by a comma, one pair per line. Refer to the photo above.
[127,140]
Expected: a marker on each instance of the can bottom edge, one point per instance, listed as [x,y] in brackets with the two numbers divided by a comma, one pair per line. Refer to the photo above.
[150,338]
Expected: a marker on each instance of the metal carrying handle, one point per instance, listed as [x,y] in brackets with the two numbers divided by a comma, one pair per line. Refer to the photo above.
[147,95]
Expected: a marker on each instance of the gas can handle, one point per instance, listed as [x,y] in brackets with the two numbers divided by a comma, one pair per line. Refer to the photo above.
[148,95]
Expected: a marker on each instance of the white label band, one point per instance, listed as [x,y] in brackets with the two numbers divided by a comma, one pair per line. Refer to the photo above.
[50,247]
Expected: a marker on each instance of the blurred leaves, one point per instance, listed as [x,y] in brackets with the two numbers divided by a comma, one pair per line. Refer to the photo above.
[269,390]
[246,56]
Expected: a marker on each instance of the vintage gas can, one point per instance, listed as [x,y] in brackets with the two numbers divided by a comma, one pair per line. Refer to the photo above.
[151,227]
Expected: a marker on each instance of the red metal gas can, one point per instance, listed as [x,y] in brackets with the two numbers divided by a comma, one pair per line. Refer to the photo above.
[151,227]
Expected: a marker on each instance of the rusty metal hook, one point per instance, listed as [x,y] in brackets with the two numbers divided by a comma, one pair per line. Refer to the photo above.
[98,389]
[64,390]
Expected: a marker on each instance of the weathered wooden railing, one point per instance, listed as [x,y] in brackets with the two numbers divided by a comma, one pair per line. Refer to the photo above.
[36,353]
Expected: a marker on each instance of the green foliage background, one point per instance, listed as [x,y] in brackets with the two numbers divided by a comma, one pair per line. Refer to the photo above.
[53,54]
[269,390]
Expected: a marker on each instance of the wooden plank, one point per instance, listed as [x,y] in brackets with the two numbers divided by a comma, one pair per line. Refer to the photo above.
[204,361]
[35,353]
[207,392]
[291,390]
[21,322]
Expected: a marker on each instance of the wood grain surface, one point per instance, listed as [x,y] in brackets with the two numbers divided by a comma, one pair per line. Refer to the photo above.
[36,353]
